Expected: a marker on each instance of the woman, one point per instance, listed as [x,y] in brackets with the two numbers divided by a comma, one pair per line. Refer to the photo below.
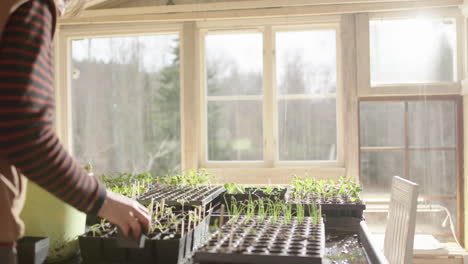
[28,143]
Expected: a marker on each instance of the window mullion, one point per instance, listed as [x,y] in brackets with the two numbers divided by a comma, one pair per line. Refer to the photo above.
[190,117]
[269,103]
[407,152]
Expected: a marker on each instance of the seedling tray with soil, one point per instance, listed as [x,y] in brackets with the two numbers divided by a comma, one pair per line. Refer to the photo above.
[331,206]
[172,239]
[265,240]
[178,195]
[253,193]
[338,198]
[170,248]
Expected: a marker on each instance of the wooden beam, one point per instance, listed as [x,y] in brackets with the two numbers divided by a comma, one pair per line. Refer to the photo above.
[218,6]
[96,3]
[189,96]
[201,12]
[350,95]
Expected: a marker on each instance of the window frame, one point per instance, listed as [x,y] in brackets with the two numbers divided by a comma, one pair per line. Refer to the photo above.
[191,53]
[407,149]
[205,98]
[62,44]
[365,88]
[268,28]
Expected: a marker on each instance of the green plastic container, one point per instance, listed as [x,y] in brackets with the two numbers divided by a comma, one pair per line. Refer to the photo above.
[45,215]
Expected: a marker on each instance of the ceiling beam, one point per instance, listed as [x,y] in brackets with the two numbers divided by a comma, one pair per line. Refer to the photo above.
[219,6]
[97,3]
[201,12]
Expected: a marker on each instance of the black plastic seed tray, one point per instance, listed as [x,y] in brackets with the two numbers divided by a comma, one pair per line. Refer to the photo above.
[251,240]
[331,207]
[189,196]
[357,226]
[161,248]
[253,194]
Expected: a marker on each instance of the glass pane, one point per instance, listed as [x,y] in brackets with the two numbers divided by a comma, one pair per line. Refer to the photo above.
[377,170]
[125,103]
[235,131]
[306,62]
[436,174]
[412,51]
[382,124]
[432,123]
[430,219]
[431,168]
[307,129]
[234,64]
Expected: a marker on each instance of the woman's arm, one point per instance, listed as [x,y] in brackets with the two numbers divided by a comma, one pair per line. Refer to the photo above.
[27,136]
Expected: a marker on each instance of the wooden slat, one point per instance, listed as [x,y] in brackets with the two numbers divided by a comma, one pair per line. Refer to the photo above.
[349,95]
[189,97]
[460,172]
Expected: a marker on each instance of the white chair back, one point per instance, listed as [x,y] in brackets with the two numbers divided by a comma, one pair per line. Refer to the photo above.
[399,234]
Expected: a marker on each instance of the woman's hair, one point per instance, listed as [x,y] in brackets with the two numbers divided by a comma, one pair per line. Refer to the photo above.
[73,7]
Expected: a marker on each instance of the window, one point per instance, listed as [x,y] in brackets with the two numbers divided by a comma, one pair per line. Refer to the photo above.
[292,106]
[408,51]
[234,69]
[125,103]
[417,140]
[306,92]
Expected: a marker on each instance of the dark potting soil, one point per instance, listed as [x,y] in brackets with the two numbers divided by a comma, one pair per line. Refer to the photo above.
[344,248]
[253,240]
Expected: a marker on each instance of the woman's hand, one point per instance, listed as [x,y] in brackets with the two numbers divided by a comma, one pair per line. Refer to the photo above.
[126,213]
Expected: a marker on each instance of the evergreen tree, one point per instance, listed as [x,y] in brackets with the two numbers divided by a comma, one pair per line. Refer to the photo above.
[162,135]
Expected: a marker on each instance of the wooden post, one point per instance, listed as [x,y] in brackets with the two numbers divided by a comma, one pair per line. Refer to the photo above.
[463,186]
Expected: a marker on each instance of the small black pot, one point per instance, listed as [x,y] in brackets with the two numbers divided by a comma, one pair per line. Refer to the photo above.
[91,248]
[142,255]
[111,251]
[170,251]
[32,250]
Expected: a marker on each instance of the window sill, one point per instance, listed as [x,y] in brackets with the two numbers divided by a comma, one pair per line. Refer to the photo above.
[272,175]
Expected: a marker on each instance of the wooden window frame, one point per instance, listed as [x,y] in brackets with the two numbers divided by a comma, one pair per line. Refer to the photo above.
[268,28]
[190,79]
[458,149]
[363,51]
[62,50]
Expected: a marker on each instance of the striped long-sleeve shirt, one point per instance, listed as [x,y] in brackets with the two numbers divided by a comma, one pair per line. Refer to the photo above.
[27,137]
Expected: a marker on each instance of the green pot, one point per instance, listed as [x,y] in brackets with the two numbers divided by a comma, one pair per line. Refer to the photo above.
[45,215]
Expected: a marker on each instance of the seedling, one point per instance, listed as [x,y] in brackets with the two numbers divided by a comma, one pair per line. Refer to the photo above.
[232,188]
[328,190]
[287,212]
[95,230]
[300,213]
[128,184]
[192,178]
